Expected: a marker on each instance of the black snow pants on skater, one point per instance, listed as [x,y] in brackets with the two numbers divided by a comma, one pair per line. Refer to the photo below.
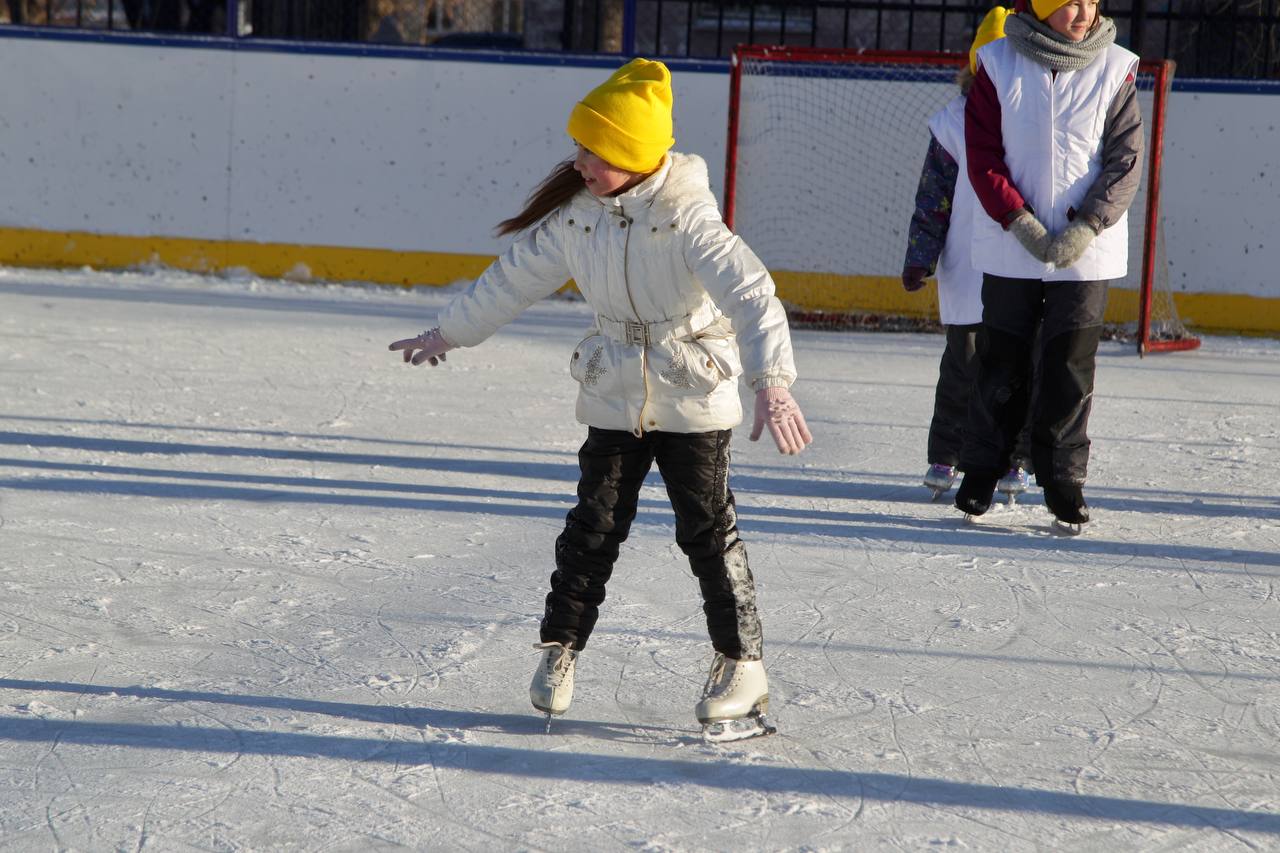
[956,373]
[695,469]
[1070,314]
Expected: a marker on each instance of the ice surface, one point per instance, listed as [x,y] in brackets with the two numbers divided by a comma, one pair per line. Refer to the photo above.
[264,587]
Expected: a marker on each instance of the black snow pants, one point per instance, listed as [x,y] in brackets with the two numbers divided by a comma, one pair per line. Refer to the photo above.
[1070,315]
[695,468]
[956,374]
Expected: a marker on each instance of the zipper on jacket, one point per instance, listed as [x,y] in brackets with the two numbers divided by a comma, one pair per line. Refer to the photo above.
[644,348]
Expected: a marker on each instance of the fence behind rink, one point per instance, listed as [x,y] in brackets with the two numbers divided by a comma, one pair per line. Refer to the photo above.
[1225,38]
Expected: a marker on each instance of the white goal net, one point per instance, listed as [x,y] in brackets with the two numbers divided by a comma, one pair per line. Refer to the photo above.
[824,157]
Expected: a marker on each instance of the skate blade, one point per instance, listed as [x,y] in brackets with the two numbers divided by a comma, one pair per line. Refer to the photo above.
[742,728]
[549,714]
[1067,528]
[937,492]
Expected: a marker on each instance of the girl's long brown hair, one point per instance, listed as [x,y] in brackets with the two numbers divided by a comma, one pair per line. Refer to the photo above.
[556,189]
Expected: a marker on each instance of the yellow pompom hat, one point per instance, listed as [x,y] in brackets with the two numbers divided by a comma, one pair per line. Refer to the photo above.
[991,29]
[1045,8]
[626,120]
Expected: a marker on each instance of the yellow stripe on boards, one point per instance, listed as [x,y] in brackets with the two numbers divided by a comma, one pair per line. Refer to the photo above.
[31,248]
[1217,312]
[1229,312]
[854,294]
[1220,312]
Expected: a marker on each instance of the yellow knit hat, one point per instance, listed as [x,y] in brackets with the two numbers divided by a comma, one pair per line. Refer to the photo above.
[626,120]
[991,28]
[1045,8]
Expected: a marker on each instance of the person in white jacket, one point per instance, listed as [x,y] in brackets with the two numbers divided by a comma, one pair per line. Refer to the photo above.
[683,309]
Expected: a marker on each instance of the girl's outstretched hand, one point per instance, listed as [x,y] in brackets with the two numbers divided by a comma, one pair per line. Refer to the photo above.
[776,407]
[430,346]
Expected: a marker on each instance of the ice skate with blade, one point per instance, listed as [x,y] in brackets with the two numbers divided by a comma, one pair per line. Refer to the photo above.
[975,493]
[939,479]
[551,690]
[734,701]
[1012,484]
[1066,501]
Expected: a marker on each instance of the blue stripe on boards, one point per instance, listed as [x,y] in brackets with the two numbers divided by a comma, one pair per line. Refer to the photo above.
[315,48]
[1225,86]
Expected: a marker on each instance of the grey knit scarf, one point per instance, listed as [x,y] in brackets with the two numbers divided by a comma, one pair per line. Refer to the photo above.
[1038,42]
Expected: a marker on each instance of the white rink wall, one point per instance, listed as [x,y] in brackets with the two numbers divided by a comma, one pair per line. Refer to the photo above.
[383,151]
[425,152]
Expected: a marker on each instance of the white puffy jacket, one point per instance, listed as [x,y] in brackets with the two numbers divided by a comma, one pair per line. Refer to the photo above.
[676,294]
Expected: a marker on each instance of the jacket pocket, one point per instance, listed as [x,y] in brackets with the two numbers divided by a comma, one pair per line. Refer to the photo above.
[696,366]
[594,366]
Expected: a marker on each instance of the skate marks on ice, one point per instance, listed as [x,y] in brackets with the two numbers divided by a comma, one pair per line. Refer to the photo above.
[932,683]
[758,775]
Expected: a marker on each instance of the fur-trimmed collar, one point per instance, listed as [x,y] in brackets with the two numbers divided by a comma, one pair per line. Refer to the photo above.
[687,182]
[667,192]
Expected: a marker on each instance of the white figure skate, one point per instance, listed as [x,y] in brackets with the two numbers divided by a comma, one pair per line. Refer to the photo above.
[551,690]
[734,701]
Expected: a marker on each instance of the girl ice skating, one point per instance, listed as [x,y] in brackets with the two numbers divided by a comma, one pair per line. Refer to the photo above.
[683,308]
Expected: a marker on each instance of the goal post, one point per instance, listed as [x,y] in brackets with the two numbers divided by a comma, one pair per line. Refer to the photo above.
[823,158]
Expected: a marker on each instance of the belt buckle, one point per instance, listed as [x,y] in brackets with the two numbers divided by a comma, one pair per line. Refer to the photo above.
[636,333]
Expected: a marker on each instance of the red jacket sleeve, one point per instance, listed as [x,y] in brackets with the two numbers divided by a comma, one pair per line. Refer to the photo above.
[984,146]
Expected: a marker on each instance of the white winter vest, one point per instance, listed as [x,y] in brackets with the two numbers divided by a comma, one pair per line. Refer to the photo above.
[959,284]
[1052,128]
[676,294]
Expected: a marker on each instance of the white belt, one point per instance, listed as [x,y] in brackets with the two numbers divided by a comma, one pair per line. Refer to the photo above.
[640,333]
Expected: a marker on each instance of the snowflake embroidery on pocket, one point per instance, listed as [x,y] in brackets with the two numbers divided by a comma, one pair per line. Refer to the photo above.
[677,372]
[594,368]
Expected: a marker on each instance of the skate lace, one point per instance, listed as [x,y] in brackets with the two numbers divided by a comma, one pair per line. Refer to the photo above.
[557,665]
[716,682]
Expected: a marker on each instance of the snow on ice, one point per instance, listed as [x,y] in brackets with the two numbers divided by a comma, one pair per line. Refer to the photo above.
[267,588]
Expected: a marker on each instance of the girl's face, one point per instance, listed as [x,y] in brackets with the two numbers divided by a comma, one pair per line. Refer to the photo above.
[1075,19]
[601,178]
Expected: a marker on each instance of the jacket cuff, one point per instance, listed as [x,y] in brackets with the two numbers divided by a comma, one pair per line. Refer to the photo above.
[443,336]
[769,382]
[1013,215]
[1093,220]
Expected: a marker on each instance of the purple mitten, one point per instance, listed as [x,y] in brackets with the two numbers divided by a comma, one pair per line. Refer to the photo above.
[430,346]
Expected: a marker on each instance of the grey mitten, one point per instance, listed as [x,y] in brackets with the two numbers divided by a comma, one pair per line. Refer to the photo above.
[1032,234]
[1068,246]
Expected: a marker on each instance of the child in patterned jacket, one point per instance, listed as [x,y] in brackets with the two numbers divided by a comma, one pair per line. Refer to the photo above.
[939,239]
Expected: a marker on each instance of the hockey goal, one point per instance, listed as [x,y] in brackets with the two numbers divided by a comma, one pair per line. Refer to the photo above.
[824,153]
